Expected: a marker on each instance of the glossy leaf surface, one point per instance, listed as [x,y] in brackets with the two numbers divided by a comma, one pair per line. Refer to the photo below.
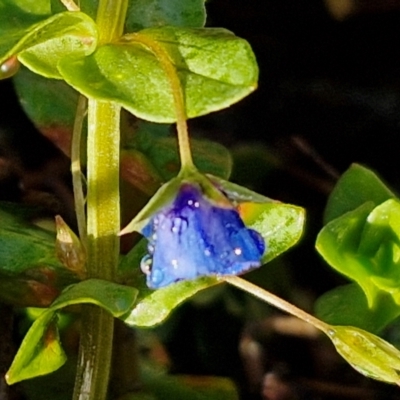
[41,46]
[215,67]
[355,187]
[155,306]
[280,225]
[40,352]
[368,354]
[347,305]
[364,245]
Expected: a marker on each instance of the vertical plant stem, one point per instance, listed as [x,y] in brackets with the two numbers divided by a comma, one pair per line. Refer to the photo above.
[103,221]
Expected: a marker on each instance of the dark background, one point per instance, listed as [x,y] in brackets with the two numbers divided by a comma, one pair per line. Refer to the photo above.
[329,95]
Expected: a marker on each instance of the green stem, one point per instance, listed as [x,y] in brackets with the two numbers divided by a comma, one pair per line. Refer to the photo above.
[103,221]
[276,302]
[103,225]
[177,93]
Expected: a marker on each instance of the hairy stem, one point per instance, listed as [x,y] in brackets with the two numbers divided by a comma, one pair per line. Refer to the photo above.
[103,221]
[177,93]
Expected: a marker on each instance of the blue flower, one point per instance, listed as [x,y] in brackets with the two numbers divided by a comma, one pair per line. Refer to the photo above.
[192,236]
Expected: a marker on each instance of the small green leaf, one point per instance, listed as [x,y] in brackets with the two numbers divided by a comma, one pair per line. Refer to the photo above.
[281,225]
[364,244]
[354,188]
[116,299]
[155,306]
[338,243]
[65,34]
[368,354]
[146,14]
[215,67]
[40,352]
[41,45]
[347,305]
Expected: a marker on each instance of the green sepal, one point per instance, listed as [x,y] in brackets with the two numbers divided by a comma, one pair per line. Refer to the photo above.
[280,225]
[216,69]
[155,306]
[368,354]
[163,197]
[36,356]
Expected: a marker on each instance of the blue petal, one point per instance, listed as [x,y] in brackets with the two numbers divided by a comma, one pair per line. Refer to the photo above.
[193,237]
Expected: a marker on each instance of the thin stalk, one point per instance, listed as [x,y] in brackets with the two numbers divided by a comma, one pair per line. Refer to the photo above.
[177,93]
[277,302]
[103,221]
[76,169]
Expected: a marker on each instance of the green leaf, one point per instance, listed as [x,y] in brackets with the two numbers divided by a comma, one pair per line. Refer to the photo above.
[40,352]
[116,299]
[338,243]
[53,117]
[281,225]
[13,29]
[368,354]
[354,188]
[364,245]
[30,272]
[215,67]
[347,305]
[65,34]
[155,306]
[146,14]
[41,45]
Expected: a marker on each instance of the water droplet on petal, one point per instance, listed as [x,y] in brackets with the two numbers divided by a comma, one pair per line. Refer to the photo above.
[174,263]
[196,204]
[207,252]
[146,263]
[156,278]
[237,251]
[190,202]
